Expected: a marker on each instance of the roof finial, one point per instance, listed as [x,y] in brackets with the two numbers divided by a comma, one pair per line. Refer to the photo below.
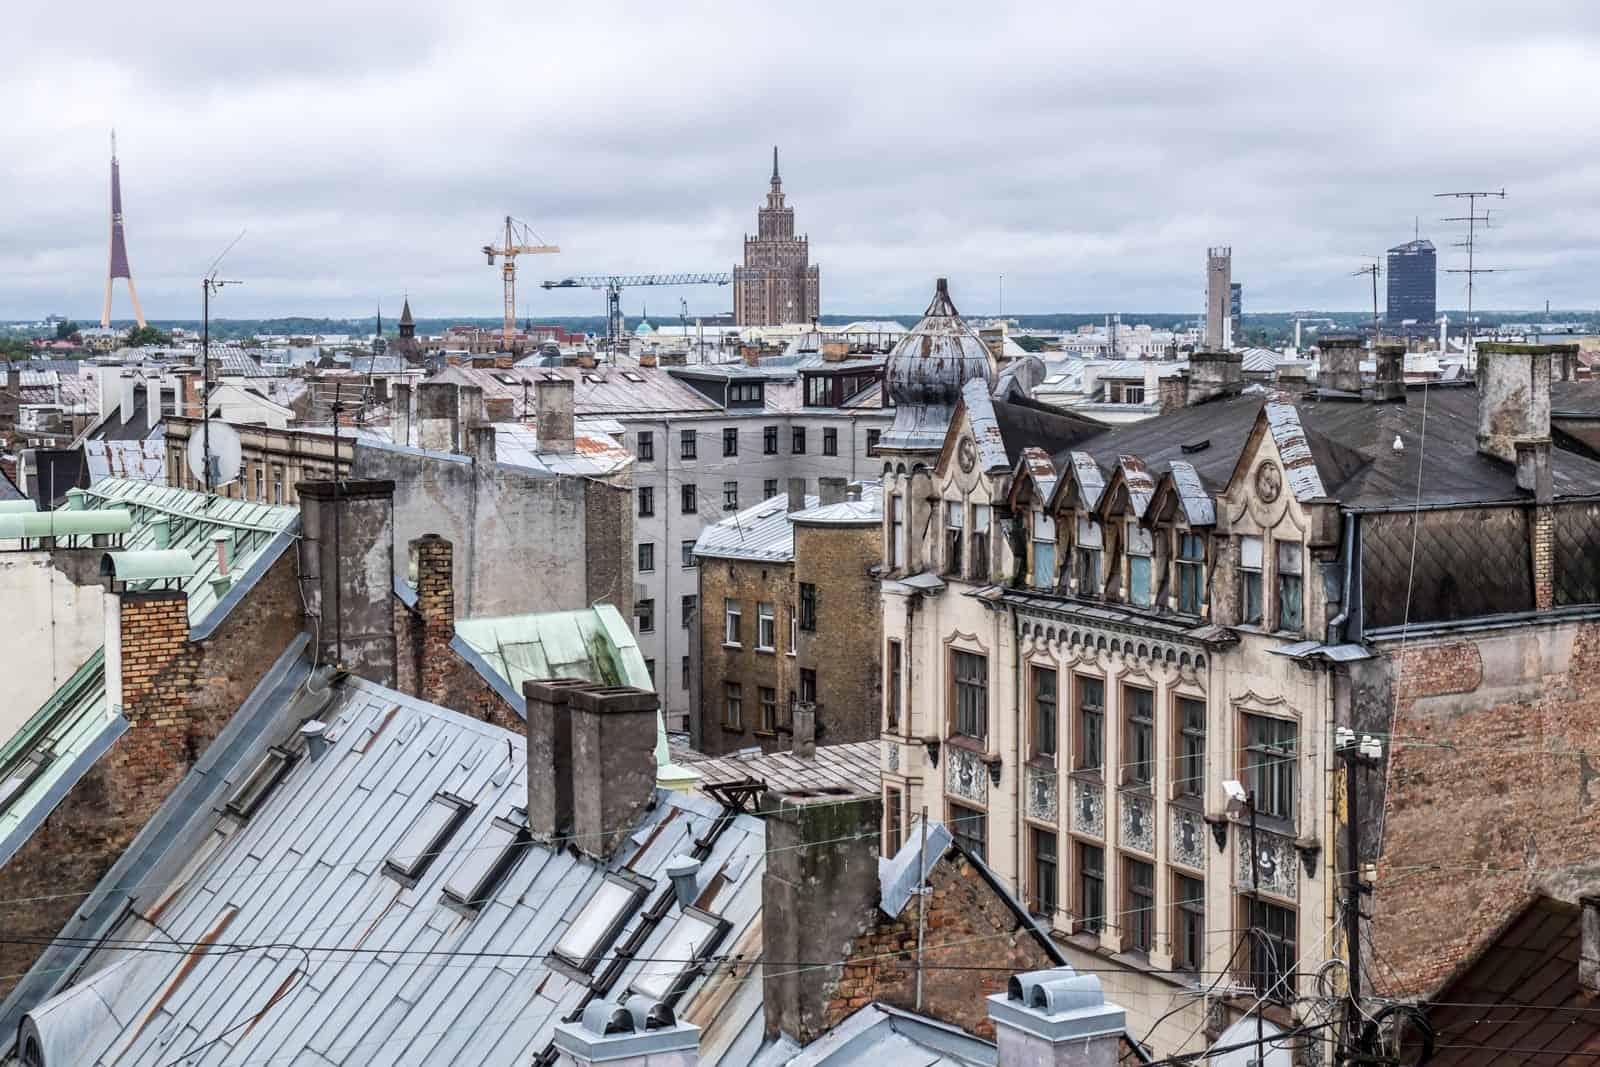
[775,179]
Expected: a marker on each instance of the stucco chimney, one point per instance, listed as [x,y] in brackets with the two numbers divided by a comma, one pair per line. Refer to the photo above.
[1173,392]
[481,446]
[1340,368]
[831,490]
[400,413]
[805,730]
[639,1033]
[553,412]
[347,573]
[470,402]
[613,764]
[1214,374]
[1389,381]
[797,494]
[1057,1018]
[438,416]
[549,730]
[1513,397]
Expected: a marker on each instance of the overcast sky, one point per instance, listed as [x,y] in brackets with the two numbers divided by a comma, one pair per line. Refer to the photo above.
[1088,152]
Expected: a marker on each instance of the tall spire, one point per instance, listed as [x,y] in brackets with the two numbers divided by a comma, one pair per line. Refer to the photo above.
[118,267]
[775,179]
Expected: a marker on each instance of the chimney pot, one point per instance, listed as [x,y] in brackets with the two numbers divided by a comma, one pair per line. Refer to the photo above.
[1056,1017]
[805,730]
[316,743]
[553,412]
[684,872]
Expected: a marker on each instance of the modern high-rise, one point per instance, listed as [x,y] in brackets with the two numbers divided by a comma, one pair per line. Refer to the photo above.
[777,283]
[1219,297]
[1413,282]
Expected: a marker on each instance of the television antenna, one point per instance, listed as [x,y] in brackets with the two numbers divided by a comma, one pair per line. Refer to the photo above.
[1472,270]
[1374,268]
[208,285]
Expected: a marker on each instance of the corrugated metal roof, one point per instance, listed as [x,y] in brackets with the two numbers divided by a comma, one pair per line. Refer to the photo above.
[401,978]
[144,461]
[864,512]
[761,532]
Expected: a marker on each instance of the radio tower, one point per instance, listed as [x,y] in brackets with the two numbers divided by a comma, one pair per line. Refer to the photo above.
[119,245]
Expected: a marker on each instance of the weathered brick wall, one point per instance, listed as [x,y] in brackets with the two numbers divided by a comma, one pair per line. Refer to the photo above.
[846,649]
[972,945]
[1492,794]
[177,696]
[750,583]
[436,607]
[608,544]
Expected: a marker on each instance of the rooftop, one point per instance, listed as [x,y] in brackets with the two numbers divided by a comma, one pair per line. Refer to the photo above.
[765,531]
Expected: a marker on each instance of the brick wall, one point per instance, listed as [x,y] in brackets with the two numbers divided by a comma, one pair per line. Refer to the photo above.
[751,584]
[968,926]
[1544,525]
[177,696]
[846,649]
[1491,793]
[436,607]
[608,544]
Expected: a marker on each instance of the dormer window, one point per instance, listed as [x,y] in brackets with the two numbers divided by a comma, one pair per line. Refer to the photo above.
[1291,586]
[1141,548]
[954,531]
[980,542]
[1191,572]
[1044,551]
[1088,561]
[1250,580]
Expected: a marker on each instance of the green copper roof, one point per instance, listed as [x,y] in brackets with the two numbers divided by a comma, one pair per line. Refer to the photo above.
[594,644]
[64,523]
[147,565]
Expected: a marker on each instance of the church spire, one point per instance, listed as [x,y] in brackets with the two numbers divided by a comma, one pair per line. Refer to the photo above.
[775,179]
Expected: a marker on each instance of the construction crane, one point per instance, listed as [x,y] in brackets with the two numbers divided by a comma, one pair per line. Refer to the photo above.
[519,240]
[613,284]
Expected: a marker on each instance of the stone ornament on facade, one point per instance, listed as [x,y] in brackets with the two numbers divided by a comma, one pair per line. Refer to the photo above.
[1088,807]
[1042,794]
[1269,481]
[1138,824]
[1279,863]
[967,455]
[965,775]
[1188,840]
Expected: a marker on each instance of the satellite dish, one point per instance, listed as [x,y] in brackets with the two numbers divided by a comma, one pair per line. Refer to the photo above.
[224,454]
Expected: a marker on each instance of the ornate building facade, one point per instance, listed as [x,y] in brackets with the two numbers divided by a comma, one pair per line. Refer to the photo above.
[777,283]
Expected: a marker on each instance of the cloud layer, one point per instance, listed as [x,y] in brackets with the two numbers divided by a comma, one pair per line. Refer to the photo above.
[1088,152]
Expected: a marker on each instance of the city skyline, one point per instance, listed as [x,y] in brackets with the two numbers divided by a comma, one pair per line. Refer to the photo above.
[1090,157]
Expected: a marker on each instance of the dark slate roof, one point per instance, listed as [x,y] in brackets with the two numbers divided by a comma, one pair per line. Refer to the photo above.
[1221,426]
[1027,423]
[1521,992]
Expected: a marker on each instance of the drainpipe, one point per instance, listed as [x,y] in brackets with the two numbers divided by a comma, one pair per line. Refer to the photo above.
[1018,791]
[1338,621]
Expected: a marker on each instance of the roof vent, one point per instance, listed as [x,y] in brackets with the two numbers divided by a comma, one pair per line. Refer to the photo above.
[316,744]
[1198,446]
[683,871]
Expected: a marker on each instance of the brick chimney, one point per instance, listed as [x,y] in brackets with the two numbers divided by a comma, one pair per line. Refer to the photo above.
[553,412]
[438,416]
[1057,1018]
[1172,392]
[1340,367]
[1214,374]
[647,359]
[640,1033]
[347,573]
[1389,381]
[148,678]
[436,606]
[819,890]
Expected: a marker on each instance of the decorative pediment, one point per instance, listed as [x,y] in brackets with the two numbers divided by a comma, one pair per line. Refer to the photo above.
[1033,478]
[1250,700]
[1181,496]
[1079,486]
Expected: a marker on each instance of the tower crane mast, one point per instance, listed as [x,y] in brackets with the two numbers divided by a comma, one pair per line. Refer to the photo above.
[520,239]
[613,284]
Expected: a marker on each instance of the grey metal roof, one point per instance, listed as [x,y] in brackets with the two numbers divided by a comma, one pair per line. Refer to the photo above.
[880,1036]
[853,766]
[396,977]
[898,875]
[619,391]
[760,532]
[867,511]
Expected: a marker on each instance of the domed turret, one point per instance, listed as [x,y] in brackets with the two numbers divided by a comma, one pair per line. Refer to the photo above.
[926,370]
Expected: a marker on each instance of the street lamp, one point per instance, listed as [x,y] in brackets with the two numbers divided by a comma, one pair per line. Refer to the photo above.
[1242,801]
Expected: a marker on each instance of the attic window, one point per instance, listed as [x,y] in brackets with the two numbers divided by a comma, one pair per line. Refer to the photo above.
[426,839]
[487,865]
[633,376]
[591,379]
[671,966]
[602,919]
[260,782]
[507,379]
[23,774]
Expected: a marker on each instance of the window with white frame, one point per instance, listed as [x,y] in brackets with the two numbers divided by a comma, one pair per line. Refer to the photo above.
[1141,549]
[1044,550]
[732,615]
[766,627]
[1088,562]
[1250,580]
[602,918]
[954,534]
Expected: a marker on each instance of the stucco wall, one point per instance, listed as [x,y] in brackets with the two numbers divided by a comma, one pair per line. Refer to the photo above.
[54,616]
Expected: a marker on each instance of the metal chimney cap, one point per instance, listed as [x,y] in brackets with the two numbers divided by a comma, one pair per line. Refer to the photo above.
[682,865]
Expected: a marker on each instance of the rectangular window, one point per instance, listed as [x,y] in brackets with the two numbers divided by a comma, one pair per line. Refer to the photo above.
[647,556]
[797,441]
[685,671]
[1191,748]
[1272,950]
[425,840]
[688,499]
[954,535]
[769,440]
[897,531]
[1188,922]
[893,821]
[261,483]
[1139,737]
[769,488]
[1140,904]
[891,701]
[1269,768]
[1043,897]
[980,543]
[650,669]
[682,953]
[873,437]
[808,685]
[730,496]
[794,630]
[1044,551]
[766,627]
[603,917]
[830,441]
[1291,586]
[732,613]
[687,444]
[819,390]
[730,440]
[1191,573]
[970,828]
[486,865]
[971,683]
[1250,579]
[645,610]
[808,606]
[277,484]
[647,446]
[647,501]
[1091,887]
[733,705]
[769,709]
[1044,712]
[691,605]
[686,550]
[1091,723]
[1141,549]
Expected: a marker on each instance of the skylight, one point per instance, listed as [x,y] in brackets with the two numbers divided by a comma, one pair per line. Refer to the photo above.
[602,919]
[486,865]
[670,966]
[633,376]
[22,775]
[422,843]
[260,782]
